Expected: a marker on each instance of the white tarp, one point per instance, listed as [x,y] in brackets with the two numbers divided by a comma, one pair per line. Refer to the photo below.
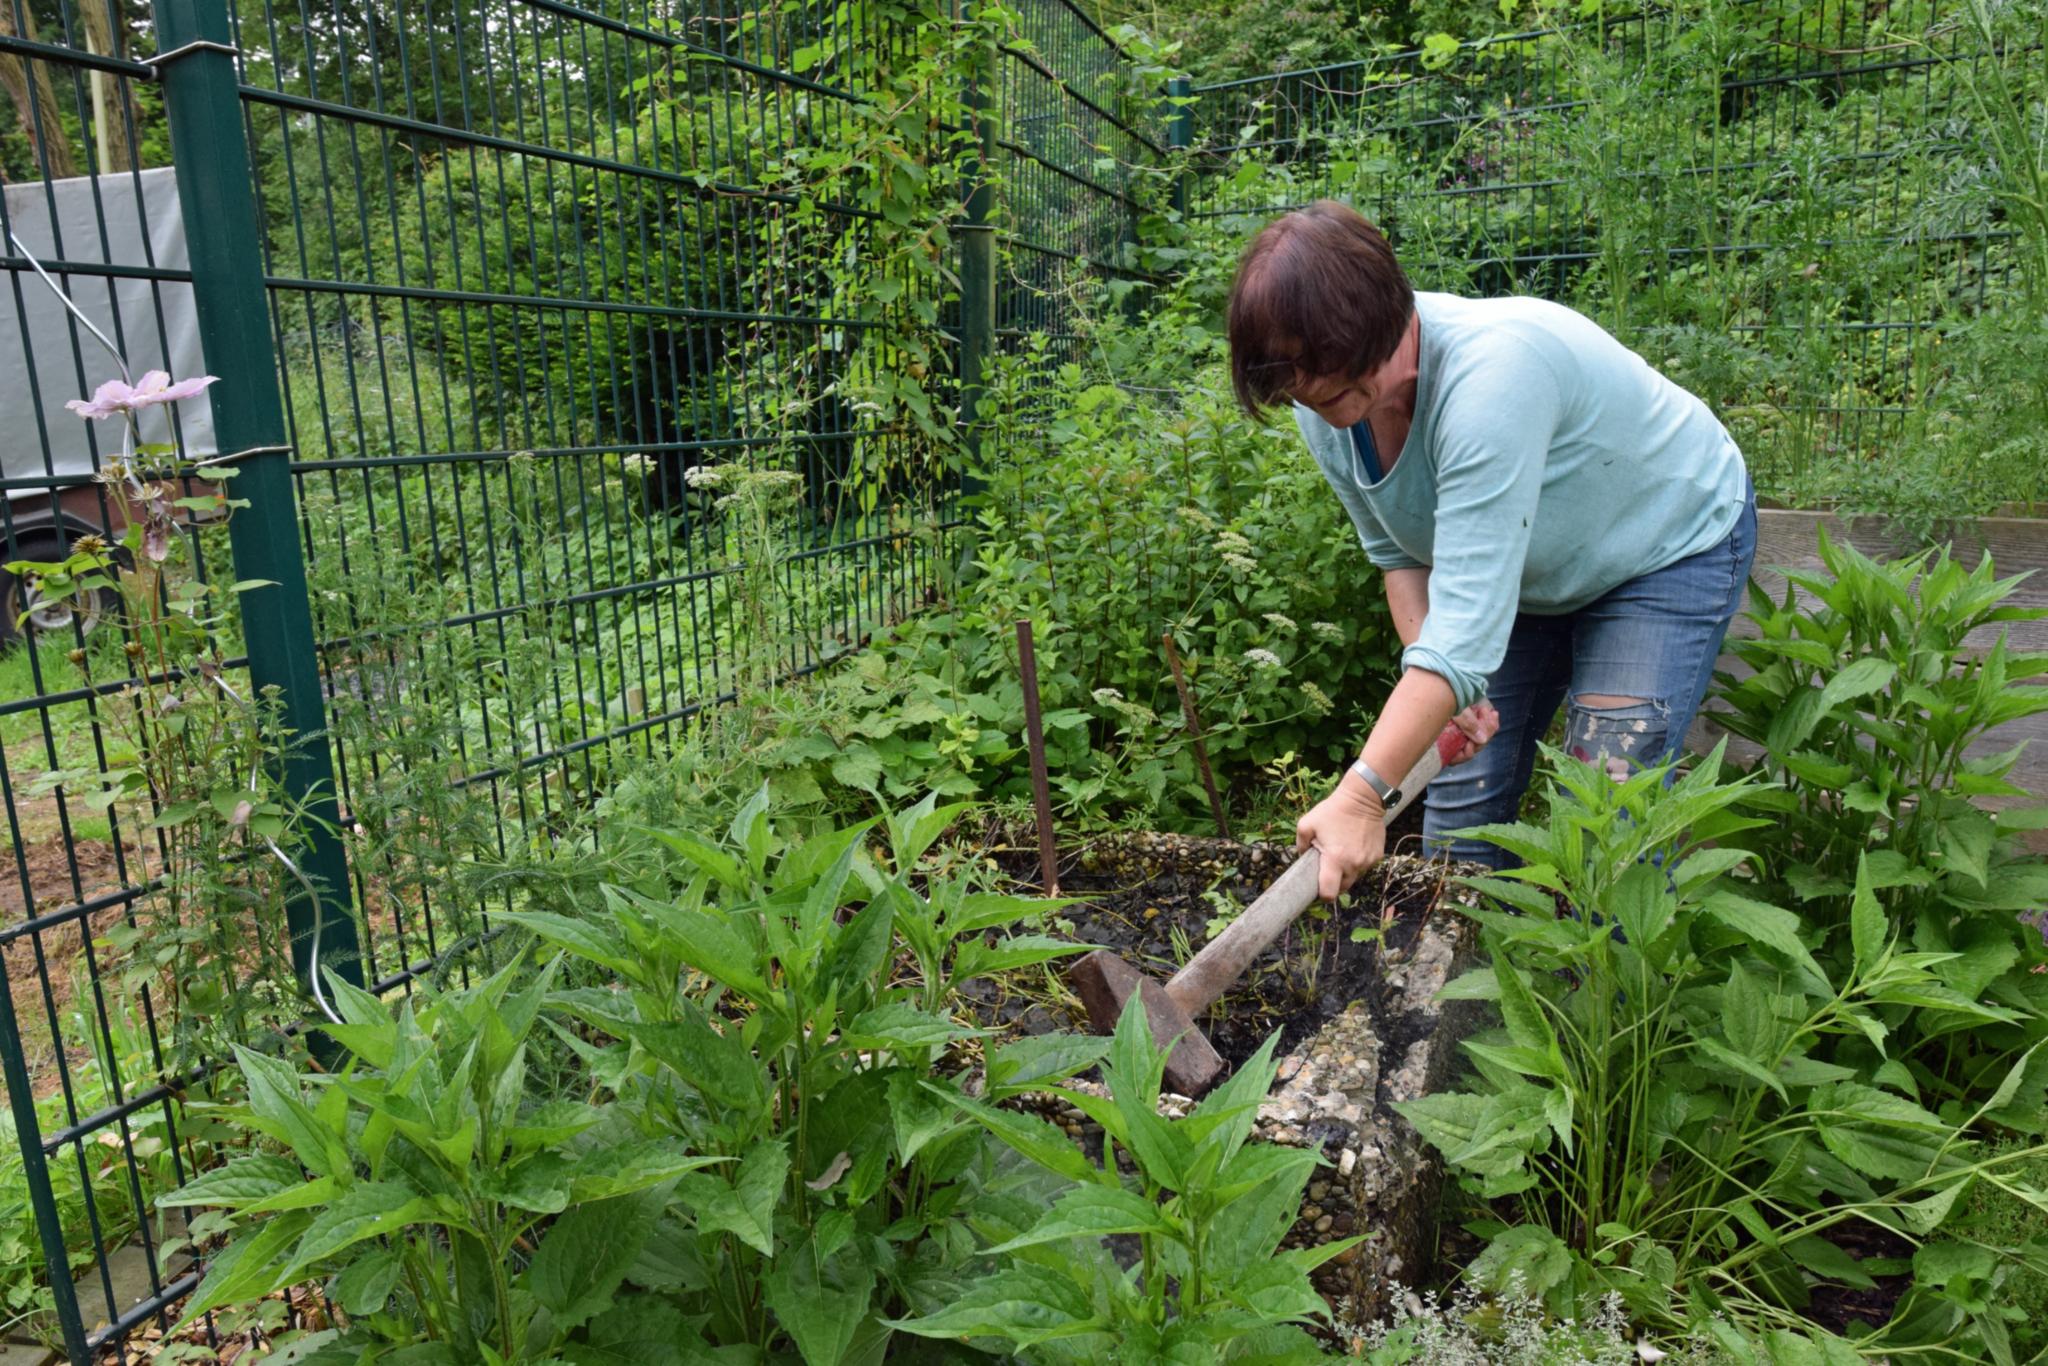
[77,238]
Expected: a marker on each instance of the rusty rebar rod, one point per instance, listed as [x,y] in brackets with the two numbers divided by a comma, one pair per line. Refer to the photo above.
[1194,721]
[1041,788]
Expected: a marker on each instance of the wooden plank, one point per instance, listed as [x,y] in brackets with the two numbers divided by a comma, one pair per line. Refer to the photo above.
[1790,540]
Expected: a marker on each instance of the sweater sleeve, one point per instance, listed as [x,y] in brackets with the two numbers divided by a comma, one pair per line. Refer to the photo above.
[1493,439]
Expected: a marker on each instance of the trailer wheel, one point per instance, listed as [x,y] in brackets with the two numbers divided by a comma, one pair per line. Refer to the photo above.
[53,619]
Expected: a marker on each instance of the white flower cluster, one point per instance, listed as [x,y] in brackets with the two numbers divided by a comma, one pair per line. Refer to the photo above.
[1328,630]
[1474,1330]
[1318,701]
[1284,624]
[1262,659]
[1243,564]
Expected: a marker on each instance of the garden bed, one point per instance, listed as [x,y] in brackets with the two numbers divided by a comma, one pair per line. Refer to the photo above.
[1359,1027]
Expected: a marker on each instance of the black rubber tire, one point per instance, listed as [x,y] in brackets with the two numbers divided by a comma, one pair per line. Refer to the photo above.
[57,624]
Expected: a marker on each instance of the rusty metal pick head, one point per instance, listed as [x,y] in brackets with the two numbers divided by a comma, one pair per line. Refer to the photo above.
[1105,983]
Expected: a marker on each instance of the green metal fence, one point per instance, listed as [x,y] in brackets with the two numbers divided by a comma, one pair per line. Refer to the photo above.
[1769,198]
[513,306]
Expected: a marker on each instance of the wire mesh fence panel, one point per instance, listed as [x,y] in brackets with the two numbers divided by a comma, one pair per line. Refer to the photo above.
[595,390]
[106,1011]
[1773,204]
[558,371]
[1069,146]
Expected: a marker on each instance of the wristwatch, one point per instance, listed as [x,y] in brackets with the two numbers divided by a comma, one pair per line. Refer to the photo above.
[1388,793]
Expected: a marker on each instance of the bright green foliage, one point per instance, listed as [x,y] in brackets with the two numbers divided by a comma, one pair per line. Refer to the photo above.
[1868,696]
[763,1018]
[456,1219]
[1208,1210]
[1114,518]
[1684,1097]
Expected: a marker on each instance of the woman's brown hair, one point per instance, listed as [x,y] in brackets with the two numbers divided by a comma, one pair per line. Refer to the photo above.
[1318,292]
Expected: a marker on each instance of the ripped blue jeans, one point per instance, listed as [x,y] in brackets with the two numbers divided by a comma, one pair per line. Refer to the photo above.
[1631,669]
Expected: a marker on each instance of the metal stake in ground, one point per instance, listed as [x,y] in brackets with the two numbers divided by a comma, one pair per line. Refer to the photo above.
[1187,710]
[1041,790]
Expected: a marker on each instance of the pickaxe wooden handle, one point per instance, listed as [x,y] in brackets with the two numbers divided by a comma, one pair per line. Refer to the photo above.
[1224,959]
[1106,984]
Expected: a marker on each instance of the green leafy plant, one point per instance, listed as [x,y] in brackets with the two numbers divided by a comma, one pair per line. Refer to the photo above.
[1208,1210]
[789,1011]
[1869,699]
[195,758]
[451,1215]
[1684,1101]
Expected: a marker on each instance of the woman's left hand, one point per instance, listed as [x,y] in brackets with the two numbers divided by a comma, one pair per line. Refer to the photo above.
[1478,723]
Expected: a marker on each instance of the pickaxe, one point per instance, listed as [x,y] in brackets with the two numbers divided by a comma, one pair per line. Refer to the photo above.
[1105,983]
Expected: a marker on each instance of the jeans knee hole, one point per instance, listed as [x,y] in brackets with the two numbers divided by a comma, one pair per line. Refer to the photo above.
[1619,739]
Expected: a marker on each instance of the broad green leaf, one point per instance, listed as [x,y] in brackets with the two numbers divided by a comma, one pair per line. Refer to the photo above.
[365,1284]
[280,1110]
[1479,984]
[1860,678]
[368,1209]
[1746,1018]
[913,832]
[1967,840]
[241,1182]
[1829,1262]
[581,1261]
[902,1027]
[1041,1058]
[552,1122]
[642,1330]
[1042,1142]
[1643,903]
[1091,1212]
[822,1313]
[979,911]
[976,959]
[1937,1264]
[706,942]
[580,937]
[917,1115]
[705,856]
[749,832]
[745,1207]
[250,1267]
[1528,1260]
[621,1169]
[1770,926]
[1025,1304]
[1518,1006]
[715,1061]
[1869,928]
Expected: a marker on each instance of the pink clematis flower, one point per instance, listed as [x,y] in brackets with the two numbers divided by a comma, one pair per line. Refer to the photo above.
[119,396]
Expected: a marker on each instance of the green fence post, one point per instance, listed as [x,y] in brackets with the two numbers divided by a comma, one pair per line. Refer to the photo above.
[217,197]
[35,1174]
[977,232]
[1180,135]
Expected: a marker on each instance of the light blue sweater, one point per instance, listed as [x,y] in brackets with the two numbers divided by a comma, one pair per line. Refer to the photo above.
[1547,464]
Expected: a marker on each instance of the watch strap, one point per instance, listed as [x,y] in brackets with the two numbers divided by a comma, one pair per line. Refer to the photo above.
[1388,792]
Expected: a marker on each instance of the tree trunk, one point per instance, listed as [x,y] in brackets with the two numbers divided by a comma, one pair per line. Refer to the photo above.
[113,103]
[28,84]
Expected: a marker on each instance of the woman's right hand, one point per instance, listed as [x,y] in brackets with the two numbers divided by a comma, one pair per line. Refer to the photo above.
[1475,725]
[1349,830]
